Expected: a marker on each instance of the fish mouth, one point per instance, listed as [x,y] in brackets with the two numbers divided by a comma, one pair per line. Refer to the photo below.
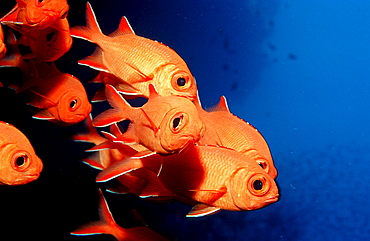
[272,199]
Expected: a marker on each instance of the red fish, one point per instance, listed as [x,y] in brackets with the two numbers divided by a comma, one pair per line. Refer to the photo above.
[107,225]
[19,162]
[165,124]
[47,44]
[135,60]
[222,128]
[36,14]
[214,177]
[61,97]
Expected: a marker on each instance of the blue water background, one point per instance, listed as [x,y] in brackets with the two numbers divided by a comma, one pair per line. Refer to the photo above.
[297,70]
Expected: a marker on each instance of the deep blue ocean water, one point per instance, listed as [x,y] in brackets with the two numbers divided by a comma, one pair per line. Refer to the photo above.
[297,70]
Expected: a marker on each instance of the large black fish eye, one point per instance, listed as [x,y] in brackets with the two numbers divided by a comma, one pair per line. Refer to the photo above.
[73,104]
[21,160]
[257,185]
[176,122]
[50,36]
[181,81]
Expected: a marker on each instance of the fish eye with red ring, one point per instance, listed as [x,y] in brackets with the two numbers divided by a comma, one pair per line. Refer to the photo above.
[74,103]
[258,185]
[20,162]
[178,122]
[181,81]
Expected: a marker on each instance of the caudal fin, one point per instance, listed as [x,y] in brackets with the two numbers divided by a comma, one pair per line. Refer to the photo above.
[106,224]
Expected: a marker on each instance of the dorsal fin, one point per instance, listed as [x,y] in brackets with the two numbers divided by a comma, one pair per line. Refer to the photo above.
[221,106]
[123,28]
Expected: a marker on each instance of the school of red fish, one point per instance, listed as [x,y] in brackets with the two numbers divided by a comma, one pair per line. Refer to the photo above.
[172,148]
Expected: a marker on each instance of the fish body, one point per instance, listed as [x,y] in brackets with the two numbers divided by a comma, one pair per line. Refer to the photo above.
[60,97]
[135,60]
[107,225]
[214,177]
[19,163]
[222,128]
[38,15]
[165,124]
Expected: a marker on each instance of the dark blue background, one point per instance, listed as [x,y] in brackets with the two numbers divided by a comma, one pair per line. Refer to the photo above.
[297,70]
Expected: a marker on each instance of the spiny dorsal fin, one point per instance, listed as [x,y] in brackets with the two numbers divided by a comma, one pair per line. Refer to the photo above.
[221,106]
[123,28]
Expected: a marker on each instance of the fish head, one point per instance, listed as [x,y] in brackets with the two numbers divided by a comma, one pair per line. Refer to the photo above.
[72,107]
[51,43]
[19,164]
[180,125]
[40,14]
[252,188]
[175,79]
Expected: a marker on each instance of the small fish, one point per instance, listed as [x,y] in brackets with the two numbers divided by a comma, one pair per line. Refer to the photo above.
[47,44]
[214,177]
[60,97]
[36,14]
[107,225]
[165,124]
[222,128]
[19,162]
[135,60]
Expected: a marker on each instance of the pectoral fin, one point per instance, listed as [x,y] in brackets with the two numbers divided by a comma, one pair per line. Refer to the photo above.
[201,210]
[43,115]
[213,195]
[118,169]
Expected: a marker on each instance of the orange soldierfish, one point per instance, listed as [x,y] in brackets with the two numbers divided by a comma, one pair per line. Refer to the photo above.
[48,44]
[222,128]
[19,163]
[214,177]
[165,124]
[135,60]
[36,14]
[107,225]
[61,97]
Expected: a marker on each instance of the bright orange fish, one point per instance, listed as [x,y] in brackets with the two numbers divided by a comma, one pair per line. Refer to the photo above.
[19,163]
[165,124]
[214,177]
[61,97]
[47,44]
[222,128]
[107,225]
[135,60]
[36,14]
